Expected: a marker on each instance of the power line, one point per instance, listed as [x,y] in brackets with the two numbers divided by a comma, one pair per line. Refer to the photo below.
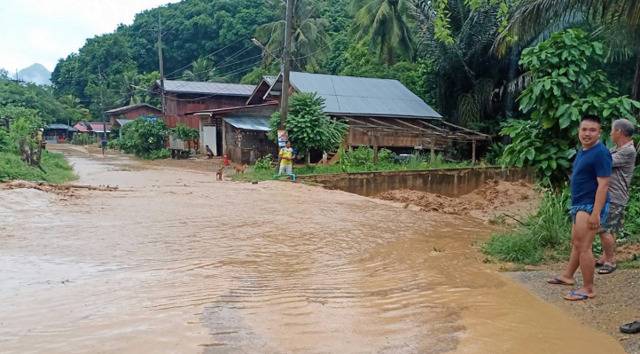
[207,56]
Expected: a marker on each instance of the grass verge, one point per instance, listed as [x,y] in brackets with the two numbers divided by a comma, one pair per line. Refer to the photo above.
[55,169]
[253,174]
[544,236]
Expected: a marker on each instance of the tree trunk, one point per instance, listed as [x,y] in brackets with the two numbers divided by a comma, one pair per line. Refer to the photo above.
[635,91]
[307,158]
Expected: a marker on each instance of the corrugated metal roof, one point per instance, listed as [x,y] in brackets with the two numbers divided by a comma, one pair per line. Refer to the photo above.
[98,127]
[132,107]
[361,96]
[58,126]
[81,127]
[208,88]
[249,123]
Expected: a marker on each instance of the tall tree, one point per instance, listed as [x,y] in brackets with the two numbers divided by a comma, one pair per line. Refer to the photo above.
[467,73]
[309,37]
[384,24]
[202,70]
[617,20]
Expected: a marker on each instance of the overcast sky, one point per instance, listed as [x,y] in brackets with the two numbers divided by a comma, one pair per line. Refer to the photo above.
[42,31]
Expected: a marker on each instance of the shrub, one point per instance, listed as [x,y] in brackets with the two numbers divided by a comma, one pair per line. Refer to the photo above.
[308,127]
[143,137]
[83,139]
[5,143]
[567,82]
[264,163]
[362,158]
[157,154]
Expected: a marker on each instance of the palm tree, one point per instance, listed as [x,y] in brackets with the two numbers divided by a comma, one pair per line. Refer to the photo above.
[618,22]
[202,70]
[466,71]
[384,24]
[308,41]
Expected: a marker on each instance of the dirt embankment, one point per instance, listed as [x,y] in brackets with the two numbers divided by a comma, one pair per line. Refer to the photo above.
[494,201]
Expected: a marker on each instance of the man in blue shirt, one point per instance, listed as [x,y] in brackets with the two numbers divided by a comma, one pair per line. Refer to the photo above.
[589,206]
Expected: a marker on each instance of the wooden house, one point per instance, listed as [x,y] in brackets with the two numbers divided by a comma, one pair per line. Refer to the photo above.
[380,113]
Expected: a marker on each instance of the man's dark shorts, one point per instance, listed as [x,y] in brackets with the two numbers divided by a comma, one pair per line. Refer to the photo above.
[588,208]
[615,219]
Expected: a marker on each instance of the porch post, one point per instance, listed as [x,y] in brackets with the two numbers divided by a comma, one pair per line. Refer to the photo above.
[473,151]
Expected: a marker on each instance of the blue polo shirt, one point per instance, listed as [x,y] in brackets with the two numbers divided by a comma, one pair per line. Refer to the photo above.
[588,166]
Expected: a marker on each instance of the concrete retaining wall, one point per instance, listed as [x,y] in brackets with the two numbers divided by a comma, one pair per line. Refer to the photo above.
[449,182]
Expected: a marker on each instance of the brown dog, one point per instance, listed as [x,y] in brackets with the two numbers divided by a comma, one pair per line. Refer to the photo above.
[219,173]
[240,168]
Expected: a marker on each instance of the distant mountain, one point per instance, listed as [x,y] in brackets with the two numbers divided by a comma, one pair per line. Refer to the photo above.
[36,74]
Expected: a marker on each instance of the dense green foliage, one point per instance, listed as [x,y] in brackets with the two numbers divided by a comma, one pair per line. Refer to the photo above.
[145,138]
[567,82]
[20,156]
[183,132]
[13,94]
[104,69]
[309,128]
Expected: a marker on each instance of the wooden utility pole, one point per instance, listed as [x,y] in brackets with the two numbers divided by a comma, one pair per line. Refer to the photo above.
[161,64]
[286,67]
[103,142]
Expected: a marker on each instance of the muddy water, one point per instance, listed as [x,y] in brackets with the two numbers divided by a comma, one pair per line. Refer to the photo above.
[175,262]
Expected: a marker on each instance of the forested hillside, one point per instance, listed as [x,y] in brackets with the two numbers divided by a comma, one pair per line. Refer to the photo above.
[461,56]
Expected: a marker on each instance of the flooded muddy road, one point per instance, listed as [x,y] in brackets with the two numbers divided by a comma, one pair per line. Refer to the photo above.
[175,262]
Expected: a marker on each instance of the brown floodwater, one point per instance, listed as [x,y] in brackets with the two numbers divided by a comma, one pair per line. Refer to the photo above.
[175,262]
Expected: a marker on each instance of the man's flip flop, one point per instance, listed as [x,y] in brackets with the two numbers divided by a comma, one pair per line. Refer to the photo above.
[558,281]
[631,328]
[599,264]
[607,269]
[574,295]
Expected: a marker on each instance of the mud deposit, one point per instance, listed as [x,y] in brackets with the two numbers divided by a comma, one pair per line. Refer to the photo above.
[175,262]
[493,200]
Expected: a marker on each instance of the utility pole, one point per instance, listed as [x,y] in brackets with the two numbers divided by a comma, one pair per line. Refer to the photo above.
[161,65]
[103,142]
[286,67]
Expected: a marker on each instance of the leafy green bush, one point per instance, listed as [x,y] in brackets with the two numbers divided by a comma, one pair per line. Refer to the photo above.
[308,127]
[145,138]
[157,154]
[83,139]
[264,163]
[631,232]
[114,144]
[5,142]
[362,158]
[567,83]
[184,133]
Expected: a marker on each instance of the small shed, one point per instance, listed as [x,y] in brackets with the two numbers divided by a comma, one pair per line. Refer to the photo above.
[58,133]
[245,138]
